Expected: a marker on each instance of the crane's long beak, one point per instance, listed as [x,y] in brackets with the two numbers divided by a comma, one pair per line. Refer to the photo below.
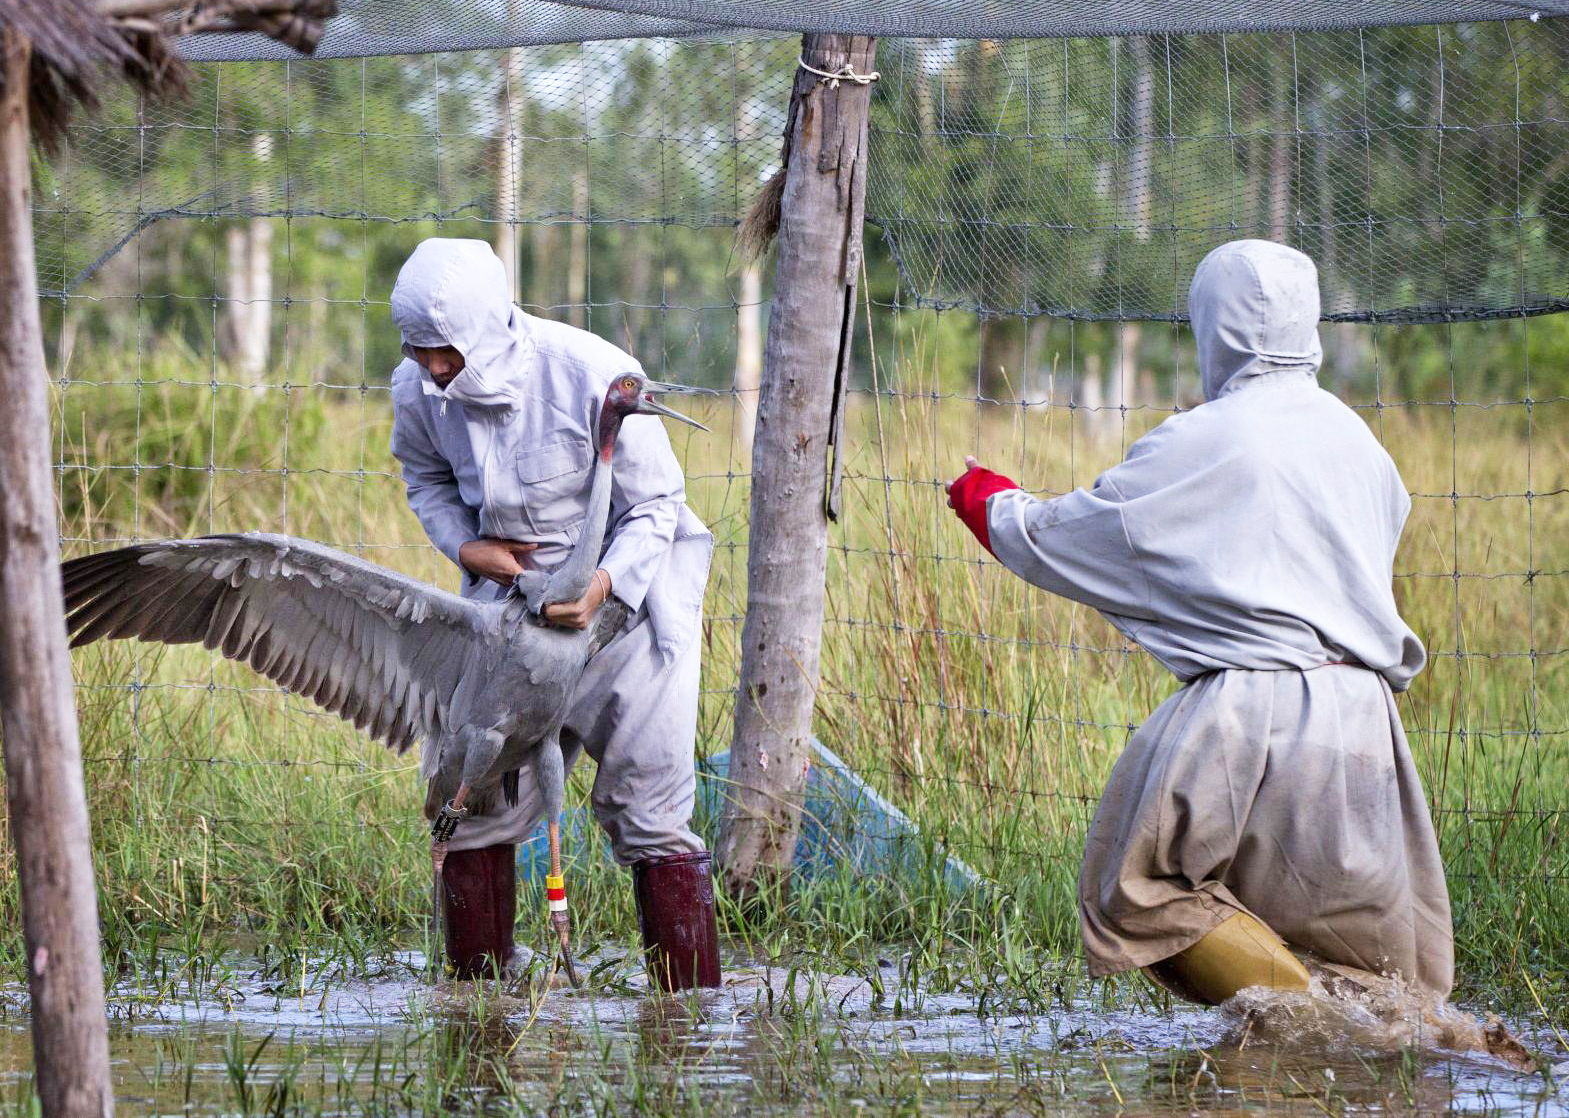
[649,406]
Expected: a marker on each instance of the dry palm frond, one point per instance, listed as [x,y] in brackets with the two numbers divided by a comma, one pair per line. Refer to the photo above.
[72,45]
[74,42]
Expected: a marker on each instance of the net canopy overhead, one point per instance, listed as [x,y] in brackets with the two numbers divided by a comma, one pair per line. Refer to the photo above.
[1421,166]
[369,27]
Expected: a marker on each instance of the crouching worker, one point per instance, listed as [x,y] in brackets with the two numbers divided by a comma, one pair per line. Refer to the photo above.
[1248,545]
[495,420]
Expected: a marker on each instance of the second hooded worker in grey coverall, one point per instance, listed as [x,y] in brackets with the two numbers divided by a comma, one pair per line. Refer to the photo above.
[1248,544]
[495,418]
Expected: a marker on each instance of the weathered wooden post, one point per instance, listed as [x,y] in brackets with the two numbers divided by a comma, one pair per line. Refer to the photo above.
[51,50]
[804,366]
[43,759]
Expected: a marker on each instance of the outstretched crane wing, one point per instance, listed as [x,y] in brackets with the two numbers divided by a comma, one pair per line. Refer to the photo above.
[382,650]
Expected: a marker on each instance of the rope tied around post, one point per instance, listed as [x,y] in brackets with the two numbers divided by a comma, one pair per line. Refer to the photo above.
[845,73]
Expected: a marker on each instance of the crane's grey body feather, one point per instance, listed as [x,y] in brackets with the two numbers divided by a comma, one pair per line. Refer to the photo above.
[403,661]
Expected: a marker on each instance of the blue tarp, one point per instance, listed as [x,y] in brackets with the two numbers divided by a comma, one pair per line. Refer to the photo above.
[845,822]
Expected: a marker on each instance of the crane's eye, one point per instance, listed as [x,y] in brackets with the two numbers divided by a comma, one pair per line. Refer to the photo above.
[628,384]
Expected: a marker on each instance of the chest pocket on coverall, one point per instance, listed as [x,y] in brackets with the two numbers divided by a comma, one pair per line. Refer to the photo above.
[554,482]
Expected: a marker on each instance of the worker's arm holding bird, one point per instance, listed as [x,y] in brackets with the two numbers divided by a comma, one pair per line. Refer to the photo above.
[437,500]
[647,492]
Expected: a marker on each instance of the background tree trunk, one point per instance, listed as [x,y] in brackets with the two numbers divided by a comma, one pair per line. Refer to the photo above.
[809,329]
[1141,153]
[1280,157]
[245,331]
[43,758]
[508,159]
[577,256]
[748,352]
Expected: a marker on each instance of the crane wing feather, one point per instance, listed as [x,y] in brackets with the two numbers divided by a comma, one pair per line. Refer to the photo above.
[381,650]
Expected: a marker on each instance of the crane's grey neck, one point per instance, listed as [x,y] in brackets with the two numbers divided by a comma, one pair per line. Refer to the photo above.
[570,581]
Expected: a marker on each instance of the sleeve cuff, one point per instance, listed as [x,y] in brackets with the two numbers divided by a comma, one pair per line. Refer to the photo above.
[451,544]
[624,583]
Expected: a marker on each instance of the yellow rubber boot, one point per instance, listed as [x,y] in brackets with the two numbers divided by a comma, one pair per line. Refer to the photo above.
[1240,952]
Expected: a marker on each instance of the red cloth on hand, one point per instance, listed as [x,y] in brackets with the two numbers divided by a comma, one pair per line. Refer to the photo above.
[969,495]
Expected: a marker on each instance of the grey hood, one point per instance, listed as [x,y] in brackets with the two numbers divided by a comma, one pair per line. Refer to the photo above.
[453,292]
[1254,306]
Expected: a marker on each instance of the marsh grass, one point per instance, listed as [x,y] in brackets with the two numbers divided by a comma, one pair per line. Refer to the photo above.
[226,811]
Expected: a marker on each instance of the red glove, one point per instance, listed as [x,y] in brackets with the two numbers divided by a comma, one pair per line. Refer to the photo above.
[968,497]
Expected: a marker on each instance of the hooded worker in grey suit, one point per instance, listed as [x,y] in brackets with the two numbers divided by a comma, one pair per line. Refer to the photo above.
[1248,545]
[495,414]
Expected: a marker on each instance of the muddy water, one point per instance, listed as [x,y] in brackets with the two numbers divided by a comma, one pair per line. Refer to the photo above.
[249,1035]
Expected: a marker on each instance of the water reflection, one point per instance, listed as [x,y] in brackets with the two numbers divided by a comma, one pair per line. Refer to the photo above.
[329,1038]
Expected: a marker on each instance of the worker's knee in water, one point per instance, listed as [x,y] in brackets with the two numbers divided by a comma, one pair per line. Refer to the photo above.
[1239,952]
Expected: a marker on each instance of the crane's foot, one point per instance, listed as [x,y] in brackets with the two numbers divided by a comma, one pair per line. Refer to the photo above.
[566,958]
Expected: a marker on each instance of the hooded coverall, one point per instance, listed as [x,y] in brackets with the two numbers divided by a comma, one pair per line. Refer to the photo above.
[1248,544]
[506,451]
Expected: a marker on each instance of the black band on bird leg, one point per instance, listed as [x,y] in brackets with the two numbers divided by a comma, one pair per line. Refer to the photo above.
[446,822]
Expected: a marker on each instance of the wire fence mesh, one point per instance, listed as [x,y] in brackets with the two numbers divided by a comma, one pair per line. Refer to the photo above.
[220,270]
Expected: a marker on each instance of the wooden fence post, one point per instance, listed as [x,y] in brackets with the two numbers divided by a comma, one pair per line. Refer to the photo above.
[805,361]
[43,757]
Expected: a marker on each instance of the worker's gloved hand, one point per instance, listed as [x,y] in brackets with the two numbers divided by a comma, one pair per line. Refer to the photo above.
[967,495]
[498,560]
[580,614]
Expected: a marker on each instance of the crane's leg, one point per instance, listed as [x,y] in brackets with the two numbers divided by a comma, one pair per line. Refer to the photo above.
[441,830]
[551,776]
[480,748]
[556,894]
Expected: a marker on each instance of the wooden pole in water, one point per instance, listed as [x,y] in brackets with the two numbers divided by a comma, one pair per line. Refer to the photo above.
[56,46]
[805,361]
[43,756]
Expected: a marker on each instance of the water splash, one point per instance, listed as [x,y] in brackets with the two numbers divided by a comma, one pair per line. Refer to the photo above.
[1347,1007]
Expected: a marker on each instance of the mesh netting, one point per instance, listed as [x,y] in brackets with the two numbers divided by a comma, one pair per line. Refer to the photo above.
[1422,167]
[368,27]
[314,139]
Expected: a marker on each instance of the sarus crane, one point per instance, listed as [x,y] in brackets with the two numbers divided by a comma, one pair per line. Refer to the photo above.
[484,686]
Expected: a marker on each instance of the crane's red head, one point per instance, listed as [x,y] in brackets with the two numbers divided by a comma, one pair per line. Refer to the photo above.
[633,394]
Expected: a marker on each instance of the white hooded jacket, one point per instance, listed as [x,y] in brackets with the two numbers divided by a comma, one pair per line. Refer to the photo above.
[507,449]
[1249,545]
[1256,531]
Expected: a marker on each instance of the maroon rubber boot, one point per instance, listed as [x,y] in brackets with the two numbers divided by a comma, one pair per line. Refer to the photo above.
[675,908]
[481,896]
